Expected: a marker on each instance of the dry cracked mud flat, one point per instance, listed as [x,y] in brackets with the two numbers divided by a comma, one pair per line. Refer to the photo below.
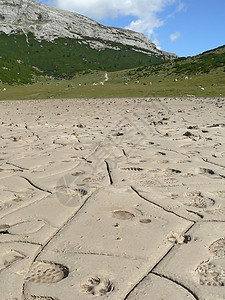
[120,199]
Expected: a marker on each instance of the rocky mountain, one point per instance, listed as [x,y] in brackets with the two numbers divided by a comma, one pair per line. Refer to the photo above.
[47,23]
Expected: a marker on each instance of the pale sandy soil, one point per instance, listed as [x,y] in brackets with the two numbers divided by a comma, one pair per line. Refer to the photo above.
[112,199]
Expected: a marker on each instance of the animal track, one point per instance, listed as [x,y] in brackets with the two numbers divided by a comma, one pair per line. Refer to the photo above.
[211,274]
[123,215]
[175,238]
[97,286]
[218,248]
[199,201]
[47,272]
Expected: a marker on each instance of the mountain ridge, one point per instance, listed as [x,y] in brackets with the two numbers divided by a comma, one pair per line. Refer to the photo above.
[48,23]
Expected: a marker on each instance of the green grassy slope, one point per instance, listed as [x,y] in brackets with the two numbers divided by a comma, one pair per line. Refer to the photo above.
[206,78]
[20,61]
[205,63]
[81,86]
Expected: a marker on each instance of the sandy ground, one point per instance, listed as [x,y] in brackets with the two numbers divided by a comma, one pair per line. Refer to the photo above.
[112,199]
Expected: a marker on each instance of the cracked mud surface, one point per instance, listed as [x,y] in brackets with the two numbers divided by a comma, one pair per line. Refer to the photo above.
[120,199]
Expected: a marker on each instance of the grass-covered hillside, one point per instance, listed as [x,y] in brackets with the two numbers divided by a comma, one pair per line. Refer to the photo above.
[22,59]
[206,63]
[201,75]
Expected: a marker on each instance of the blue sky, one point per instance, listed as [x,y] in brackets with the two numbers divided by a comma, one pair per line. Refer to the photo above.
[184,27]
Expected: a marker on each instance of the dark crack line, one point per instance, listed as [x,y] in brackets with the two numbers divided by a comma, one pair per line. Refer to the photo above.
[212,221]
[35,186]
[145,276]
[109,172]
[177,283]
[154,267]
[156,204]
[215,125]
[124,153]
[21,168]
[210,162]
[106,254]
[196,213]
[23,242]
[87,160]
[157,130]
[52,237]
[184,234]
[171,150]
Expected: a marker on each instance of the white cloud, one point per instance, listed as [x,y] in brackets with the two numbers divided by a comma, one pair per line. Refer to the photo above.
[157,43]
[143,12]
[174,36]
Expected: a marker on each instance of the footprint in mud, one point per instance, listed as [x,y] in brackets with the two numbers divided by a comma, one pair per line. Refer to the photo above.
[78,173]
[82,192]
[123,215]
[70,196]
[4,229]
[33,297]
[173,171]
[217,248]
[199,201]
[97,286]
[145,221]
[220,194]
[47,272]
[9,258]
[170,181]
[212,271]
[99,177]
[132,169]
[71,191]
[205,171]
